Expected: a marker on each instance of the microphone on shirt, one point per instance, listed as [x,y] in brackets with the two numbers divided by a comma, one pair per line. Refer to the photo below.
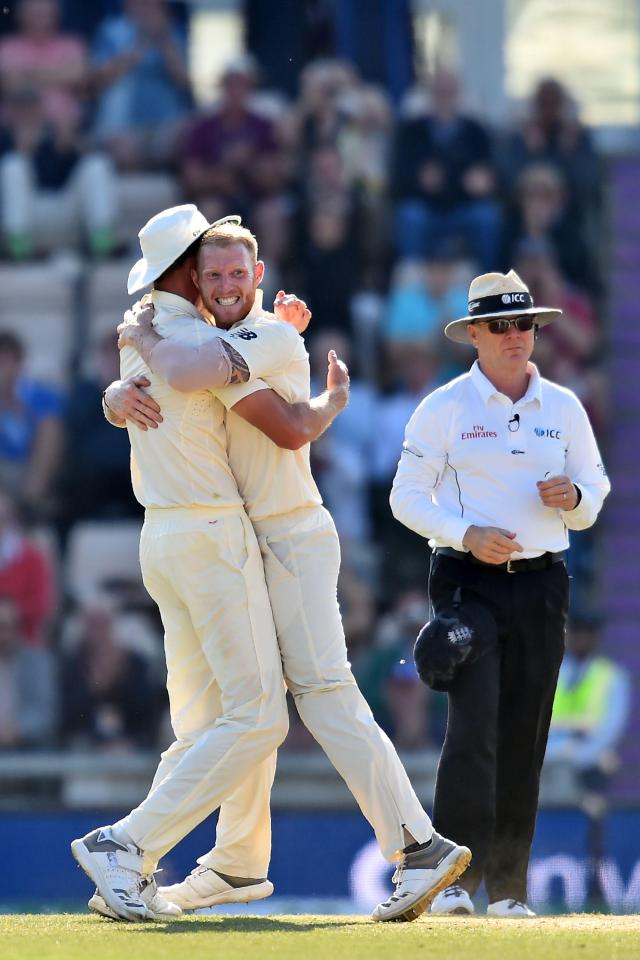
[514,423]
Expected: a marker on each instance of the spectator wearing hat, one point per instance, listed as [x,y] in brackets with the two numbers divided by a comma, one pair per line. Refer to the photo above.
[496,466]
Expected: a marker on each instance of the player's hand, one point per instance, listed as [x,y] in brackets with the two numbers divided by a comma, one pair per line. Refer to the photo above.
[127,399]
[558,492]
[491,544]
[289,308]
[338,378]
[134,324]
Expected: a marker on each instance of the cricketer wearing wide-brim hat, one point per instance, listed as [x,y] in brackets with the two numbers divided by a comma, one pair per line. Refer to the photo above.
[497,466]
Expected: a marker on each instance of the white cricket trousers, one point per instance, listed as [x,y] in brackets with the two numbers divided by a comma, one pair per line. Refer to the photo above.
[301,555]
[224,676]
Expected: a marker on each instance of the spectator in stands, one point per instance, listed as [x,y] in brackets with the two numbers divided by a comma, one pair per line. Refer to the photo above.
[111,700]
[323,109]
[424,296]
[553,134]
[591,708]
[26,575]
[444,180]
[365,147]
[28,686]
[52,193]
[591,711]
[43,61]
[567,353]
[342,455]
[418,369]
[96,479]
[141,77]
[31,431]
[543,212]
[386,671]
[231,158]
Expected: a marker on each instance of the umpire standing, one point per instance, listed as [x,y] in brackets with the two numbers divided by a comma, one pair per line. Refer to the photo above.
[496,466]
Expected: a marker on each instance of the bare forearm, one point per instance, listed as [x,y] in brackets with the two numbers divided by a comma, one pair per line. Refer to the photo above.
[313,418]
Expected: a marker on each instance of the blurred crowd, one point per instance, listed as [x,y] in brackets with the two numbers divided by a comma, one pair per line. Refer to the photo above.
[376,211]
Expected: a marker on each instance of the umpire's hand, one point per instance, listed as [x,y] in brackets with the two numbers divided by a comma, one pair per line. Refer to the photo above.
[558,492]
[491,544]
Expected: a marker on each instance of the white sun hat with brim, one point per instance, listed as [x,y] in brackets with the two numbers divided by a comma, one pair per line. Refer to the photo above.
[498,295]
[164,239]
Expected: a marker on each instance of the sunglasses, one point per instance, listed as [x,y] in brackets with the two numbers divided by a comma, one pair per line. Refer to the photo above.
[500,325]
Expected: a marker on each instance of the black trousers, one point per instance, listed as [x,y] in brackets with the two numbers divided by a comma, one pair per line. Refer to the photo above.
[499,712]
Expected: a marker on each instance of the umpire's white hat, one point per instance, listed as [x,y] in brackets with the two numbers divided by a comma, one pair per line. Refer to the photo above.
[498,295]
[164,238]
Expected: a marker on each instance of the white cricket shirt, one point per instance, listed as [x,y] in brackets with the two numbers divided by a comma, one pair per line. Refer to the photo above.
[272,481]
[184,462]
[473,456]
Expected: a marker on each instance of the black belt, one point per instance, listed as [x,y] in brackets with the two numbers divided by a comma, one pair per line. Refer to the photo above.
[543,562]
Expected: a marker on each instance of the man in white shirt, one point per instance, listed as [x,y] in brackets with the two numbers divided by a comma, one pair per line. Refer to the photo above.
[497,465]
[301,556]
[201,563]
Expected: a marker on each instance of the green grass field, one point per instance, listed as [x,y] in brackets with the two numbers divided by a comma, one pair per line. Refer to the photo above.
[73,937]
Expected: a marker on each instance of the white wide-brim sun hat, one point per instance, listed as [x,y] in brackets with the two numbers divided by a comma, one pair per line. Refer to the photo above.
[164,238]
[498,295]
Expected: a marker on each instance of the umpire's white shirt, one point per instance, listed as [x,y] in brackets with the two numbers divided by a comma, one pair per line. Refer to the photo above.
[473,456]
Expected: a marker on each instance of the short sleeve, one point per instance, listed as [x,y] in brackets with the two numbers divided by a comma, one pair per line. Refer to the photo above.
[229,396]
[266,347]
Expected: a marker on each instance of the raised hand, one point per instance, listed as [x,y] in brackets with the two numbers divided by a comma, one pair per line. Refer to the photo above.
[290,309]
[134,324]
[338,378]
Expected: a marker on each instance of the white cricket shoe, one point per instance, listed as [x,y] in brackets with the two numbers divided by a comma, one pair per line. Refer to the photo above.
[453,900]
[436,867]
[509,908]
[204,888]
[116,870]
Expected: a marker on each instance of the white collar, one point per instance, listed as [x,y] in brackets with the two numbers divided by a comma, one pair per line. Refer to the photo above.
[175,304]
[487,390]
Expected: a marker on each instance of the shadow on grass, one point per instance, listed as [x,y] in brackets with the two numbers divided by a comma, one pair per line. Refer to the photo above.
[238,925]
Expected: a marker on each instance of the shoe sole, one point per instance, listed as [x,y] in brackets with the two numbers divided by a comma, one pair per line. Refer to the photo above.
[418,907]
[98,905]
[256,891]
[86,861]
